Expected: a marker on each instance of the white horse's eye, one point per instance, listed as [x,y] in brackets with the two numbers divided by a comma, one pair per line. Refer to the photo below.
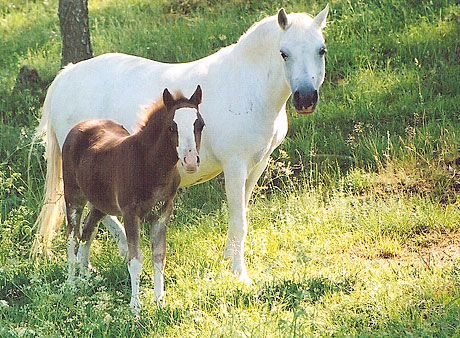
[322,51]
[284,55]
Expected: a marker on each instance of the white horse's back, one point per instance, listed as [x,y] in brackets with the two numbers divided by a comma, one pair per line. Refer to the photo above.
[111,86]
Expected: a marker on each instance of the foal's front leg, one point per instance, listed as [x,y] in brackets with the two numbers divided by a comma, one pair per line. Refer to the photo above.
[135,258]
[158,245]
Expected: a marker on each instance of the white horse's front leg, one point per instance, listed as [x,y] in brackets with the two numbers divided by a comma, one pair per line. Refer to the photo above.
[117,230]
[254,176]
[235,181]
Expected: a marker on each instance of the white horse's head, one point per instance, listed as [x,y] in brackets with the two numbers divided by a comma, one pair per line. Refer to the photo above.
[302,49]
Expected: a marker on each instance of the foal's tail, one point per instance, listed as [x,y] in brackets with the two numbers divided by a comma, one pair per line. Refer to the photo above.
[52,213]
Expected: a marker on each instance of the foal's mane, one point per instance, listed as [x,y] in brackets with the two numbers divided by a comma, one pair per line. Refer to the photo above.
[154,109]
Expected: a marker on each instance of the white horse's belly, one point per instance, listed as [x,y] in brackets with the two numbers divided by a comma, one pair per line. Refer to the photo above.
[209,166]
[206,171]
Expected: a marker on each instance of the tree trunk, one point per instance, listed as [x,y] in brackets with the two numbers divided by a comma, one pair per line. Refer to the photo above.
[73,19]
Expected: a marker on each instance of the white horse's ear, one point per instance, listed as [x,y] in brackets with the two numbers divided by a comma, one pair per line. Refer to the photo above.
[320,19]
[283,21]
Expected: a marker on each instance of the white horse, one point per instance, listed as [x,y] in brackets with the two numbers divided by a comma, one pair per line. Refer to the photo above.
[245,89]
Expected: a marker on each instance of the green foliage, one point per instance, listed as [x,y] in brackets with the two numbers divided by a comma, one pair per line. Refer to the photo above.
[354,224]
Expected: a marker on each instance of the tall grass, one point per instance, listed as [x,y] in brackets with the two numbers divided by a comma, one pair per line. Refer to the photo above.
[354,224]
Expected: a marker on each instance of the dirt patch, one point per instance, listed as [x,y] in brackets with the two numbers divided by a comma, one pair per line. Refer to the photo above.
[442,251]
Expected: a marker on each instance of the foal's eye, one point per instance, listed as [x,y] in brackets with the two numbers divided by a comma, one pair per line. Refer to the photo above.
[322,51]
[284,55]
[199,124]
[172,128]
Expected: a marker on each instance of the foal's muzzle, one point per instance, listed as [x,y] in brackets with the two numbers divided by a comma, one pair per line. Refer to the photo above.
[305,100]
[191,161]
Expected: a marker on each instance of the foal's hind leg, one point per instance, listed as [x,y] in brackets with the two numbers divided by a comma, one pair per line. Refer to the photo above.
[86,238]
[74,213]
[132,225]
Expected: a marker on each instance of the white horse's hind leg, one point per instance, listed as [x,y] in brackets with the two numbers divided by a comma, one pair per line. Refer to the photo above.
[117,230]
[235,181]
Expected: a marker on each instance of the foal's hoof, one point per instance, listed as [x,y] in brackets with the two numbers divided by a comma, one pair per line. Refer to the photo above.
[85,272]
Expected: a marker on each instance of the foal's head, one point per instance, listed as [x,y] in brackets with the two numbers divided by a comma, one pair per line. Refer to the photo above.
[186,127]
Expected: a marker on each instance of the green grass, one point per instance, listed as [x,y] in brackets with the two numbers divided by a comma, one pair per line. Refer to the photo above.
[354,226]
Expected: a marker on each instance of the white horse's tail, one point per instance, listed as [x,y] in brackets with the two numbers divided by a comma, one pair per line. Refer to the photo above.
[52,212]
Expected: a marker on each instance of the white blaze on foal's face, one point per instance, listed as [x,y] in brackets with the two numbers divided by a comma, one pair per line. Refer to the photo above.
[187,149]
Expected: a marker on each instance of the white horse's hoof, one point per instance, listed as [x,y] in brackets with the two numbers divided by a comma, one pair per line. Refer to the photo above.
[228,253]
[160,302]
[244,278]
[135,306]
[229,250]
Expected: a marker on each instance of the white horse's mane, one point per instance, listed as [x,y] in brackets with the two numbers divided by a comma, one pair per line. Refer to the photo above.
[259,34]
[263,31]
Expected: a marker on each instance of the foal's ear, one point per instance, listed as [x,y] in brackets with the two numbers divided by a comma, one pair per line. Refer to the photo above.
[283,20]
[197,95]
[168,100]
[320,18]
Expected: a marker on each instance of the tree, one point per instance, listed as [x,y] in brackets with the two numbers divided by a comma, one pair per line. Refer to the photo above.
[73,20]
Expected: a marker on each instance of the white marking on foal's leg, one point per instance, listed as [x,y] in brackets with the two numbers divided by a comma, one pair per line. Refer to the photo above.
[135,269]
[159,282]
[158,244]
[117,230]
[83,258]
[72,259]
[83,255]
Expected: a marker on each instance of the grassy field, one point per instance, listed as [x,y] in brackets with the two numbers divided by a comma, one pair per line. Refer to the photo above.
[354,227]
